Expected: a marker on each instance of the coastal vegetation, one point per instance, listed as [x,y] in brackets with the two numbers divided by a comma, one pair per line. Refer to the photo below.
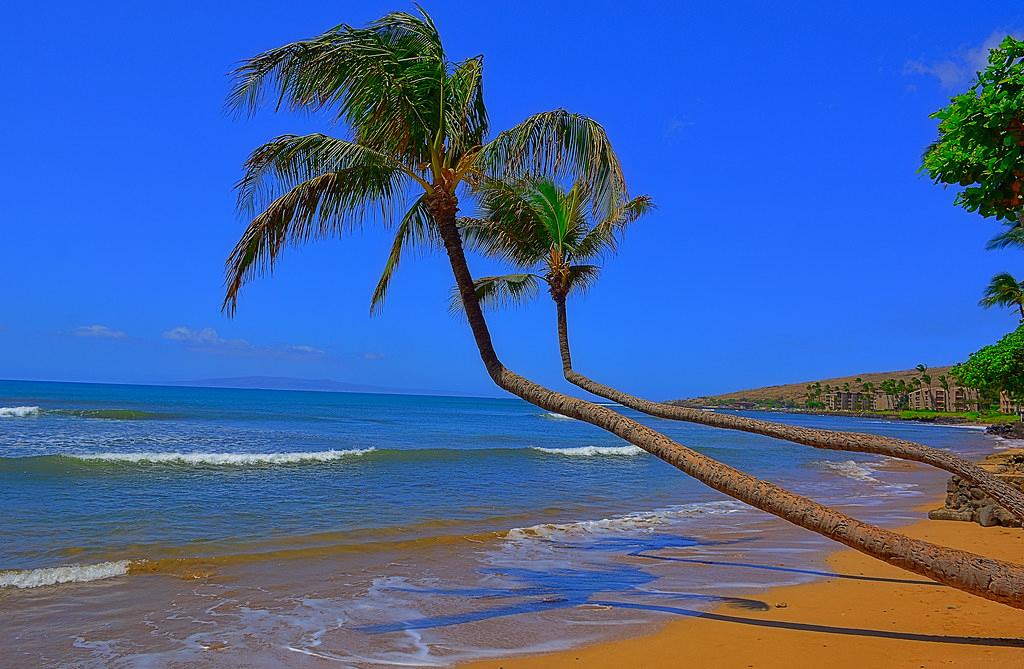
[981,149]
[418,128]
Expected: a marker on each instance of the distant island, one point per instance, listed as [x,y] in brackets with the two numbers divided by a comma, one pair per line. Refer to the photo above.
[315,385]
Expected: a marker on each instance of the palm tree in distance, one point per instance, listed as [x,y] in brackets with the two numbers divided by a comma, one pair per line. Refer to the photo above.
[1012,236]
[926,378]
[544,230]
[1005,291]
[418,126]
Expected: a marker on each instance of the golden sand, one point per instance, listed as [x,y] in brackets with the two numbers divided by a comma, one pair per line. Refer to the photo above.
[836,623]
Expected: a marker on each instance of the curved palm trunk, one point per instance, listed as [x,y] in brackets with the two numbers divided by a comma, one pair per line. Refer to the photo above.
[834,440]
[992,579]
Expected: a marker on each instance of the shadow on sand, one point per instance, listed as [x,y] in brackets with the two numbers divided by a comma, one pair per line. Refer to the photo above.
[552,589]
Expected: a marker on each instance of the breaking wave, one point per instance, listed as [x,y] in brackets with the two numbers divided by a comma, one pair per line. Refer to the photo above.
[19,412]
[222,459]
[590,451]
[75,573]
[630,522]
[556,416]
[850,469]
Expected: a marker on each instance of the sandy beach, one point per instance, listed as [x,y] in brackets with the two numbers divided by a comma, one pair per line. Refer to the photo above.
[874,616]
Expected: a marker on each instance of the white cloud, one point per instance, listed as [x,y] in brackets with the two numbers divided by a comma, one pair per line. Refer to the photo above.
[99,331]
[208,339]
[305,350]
[373,355]
[207,336]
[963,66]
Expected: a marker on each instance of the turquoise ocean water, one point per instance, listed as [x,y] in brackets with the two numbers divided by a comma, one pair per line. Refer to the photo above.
[148,525]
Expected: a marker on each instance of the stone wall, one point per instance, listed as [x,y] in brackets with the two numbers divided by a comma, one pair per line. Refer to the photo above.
[965,501]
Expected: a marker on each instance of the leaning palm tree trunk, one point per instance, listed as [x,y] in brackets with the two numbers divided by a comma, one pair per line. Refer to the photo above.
[858,442]
[991,579]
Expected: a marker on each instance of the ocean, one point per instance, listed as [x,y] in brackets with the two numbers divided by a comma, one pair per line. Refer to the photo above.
[149,526]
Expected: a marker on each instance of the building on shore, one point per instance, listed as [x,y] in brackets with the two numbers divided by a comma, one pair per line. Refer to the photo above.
[1006,405]
[847,401]
[957,398]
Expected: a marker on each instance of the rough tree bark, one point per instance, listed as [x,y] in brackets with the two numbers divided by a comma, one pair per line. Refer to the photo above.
[857,442]
[991,579]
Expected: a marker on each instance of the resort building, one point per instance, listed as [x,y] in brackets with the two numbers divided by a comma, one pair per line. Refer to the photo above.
[1008,406]
[957,398]
[842,400]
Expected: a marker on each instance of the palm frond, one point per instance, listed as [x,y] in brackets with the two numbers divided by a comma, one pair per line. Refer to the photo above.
[465,115]
[324,206]
[1013,236]
[415,230]
[500,291]
[1003,291]
[604,237]
[559,143]
[384,81]
[583,277]
[510,224]
[289,160]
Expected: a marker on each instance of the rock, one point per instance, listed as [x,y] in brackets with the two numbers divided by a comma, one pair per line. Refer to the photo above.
[950,514]
[966,502]
[987,516]
[1007,430]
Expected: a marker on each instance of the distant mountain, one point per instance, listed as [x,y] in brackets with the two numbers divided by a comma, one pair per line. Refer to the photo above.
[318,385]
[796,393]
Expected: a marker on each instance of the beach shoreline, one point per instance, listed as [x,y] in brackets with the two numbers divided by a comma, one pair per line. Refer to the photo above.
[864,615]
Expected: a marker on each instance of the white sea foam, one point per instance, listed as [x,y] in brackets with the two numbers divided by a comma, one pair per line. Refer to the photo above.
[556,416]
[19,412]
[590,451]
[630,522]
[75,573]
[1004,443]
[850,469]
[228,459]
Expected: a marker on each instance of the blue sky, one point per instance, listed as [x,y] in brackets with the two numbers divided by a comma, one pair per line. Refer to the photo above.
[793,239]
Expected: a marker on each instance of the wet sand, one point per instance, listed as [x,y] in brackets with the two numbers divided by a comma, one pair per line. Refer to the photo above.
[839,623]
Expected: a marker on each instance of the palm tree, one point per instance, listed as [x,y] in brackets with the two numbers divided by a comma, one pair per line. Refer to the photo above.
[1005,291]
[555,235]
[944,383]
[1012,236]
[418,125]
[927,379]
[545,231]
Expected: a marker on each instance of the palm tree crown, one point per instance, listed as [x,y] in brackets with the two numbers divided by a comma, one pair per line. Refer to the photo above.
[417,129]
[1004,291]
[552,233]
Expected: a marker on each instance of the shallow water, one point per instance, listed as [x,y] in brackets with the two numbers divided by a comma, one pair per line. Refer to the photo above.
[149,526]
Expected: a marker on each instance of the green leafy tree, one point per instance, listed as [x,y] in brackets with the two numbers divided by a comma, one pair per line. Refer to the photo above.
[417,143]
[1005,291]
[981,138]
[998,368]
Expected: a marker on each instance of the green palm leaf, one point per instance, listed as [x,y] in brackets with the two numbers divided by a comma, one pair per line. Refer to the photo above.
[1013,236]
[414,231]
[324,206]
[500,291]
[1004,291]
[558,143]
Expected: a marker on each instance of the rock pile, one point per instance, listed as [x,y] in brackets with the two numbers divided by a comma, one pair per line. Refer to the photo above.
[1007,430]
[965,501]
